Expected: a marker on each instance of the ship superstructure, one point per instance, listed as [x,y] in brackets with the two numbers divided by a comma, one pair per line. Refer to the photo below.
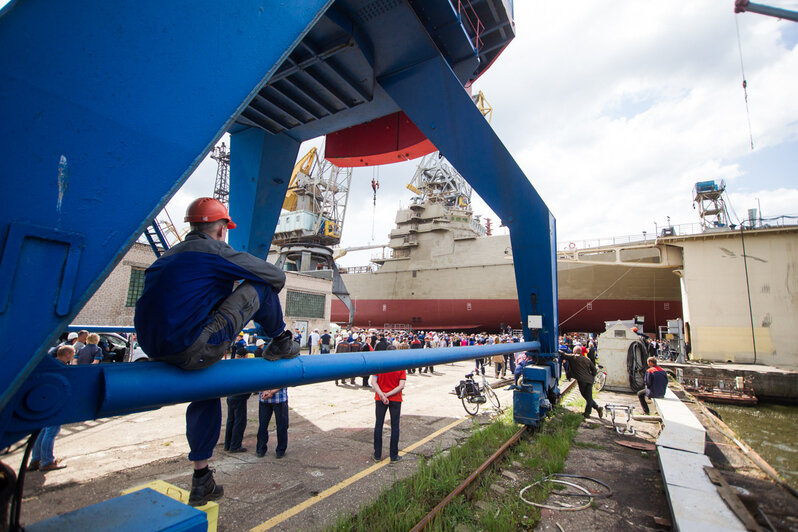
[441,271]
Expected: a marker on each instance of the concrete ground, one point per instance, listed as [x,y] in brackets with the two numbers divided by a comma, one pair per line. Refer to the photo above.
[330,441]
[328,469]
[638,501]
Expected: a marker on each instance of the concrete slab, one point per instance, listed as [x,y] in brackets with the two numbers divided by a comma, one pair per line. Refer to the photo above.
[681,429]
[696,511]
[680,468]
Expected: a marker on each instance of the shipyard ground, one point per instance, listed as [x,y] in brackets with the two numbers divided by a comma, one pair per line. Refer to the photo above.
[330,443]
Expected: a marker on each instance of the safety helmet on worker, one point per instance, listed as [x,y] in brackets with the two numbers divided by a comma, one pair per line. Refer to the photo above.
[203,210]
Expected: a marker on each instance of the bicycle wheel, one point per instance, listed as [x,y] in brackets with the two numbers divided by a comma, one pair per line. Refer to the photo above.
[492,397]
[598,382]
[470,408]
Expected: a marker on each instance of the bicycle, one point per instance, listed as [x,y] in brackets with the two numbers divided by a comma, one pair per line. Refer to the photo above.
[600,379]
[472,394]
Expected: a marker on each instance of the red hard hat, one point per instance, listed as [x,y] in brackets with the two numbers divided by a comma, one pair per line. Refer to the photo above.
[208,210]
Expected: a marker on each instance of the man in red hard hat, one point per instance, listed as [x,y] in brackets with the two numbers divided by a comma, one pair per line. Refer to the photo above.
[188,315]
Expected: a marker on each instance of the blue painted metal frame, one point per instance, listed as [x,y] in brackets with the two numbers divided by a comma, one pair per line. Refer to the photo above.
[102,106]
[430,95]
[258,184]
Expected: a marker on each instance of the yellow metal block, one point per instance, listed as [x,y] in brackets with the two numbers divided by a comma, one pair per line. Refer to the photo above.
[179,494]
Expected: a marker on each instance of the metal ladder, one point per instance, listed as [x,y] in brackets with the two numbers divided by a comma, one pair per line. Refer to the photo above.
[156,238]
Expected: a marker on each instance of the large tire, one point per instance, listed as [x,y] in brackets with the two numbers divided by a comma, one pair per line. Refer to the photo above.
[636,365]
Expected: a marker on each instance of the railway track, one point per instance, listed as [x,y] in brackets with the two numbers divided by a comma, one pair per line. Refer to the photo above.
[492,459]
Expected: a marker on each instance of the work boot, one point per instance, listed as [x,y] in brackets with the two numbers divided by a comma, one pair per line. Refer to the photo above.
[283,346]
[204,489]
[600,410]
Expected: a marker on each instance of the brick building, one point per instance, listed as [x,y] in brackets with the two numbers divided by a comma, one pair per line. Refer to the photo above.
[306,299]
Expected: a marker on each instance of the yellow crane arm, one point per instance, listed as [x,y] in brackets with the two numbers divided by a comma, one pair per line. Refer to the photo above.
[304,165]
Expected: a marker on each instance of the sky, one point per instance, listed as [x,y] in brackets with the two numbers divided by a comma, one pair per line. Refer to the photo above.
[614,111]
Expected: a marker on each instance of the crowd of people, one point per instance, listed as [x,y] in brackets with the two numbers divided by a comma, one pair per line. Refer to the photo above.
[196,299]
[358,339]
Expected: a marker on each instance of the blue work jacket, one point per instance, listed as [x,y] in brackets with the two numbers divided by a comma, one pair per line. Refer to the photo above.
[185,285]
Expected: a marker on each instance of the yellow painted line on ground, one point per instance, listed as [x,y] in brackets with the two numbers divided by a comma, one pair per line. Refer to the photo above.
[277,519]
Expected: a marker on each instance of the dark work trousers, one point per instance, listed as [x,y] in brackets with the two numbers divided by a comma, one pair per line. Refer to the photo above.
[236,421]
[395,407]
[586,389]
[255,301]
[480,365]
[642,396]
[509,362]
[203,425]
[265,411]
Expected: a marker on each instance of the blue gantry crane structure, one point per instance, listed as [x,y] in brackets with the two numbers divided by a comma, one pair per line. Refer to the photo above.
[115,104]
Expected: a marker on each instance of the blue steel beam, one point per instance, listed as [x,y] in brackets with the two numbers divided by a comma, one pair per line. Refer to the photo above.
[105,106]
[258,183]
[132,108]
[56,394]
[429,93]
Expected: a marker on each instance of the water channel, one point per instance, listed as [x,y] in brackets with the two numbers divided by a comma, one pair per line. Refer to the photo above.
[771,430]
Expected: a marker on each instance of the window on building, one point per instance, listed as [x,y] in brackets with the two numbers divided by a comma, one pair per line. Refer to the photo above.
[302,304]
[136,286]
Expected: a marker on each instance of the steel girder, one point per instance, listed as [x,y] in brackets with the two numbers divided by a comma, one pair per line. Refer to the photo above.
[106,113]
[429,94]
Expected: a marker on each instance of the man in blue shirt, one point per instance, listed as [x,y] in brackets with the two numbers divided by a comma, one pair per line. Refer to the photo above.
[273,402]
[188,314]
[656,384]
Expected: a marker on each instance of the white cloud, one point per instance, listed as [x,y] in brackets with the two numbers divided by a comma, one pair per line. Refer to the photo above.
[614,111]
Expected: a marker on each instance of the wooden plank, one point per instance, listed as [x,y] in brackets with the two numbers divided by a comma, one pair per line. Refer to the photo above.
[729,495]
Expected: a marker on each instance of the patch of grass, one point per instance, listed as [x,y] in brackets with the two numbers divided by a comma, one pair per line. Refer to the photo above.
[405,503]
[590,445]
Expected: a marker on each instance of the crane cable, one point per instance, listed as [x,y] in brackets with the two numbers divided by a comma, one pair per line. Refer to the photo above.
[375,186]
[745,83]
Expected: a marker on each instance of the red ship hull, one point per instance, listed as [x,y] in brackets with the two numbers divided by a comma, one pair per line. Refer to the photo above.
[492,314]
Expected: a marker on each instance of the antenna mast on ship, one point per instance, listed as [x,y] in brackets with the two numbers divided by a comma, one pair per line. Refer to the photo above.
[436,181]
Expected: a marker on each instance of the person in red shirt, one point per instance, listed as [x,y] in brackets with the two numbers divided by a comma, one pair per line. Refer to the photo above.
[388,396]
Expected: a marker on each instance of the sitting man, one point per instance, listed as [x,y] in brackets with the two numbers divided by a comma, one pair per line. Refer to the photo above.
[188,314]
[656,384]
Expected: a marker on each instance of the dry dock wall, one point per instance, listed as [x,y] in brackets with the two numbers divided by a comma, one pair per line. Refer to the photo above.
[716,290]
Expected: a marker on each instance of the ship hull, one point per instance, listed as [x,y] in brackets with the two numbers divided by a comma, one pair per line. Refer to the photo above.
[441,275]
[494,314]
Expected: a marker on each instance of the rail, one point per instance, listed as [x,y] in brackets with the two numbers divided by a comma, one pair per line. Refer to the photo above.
[466,10]
[478,471]
[644,237]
